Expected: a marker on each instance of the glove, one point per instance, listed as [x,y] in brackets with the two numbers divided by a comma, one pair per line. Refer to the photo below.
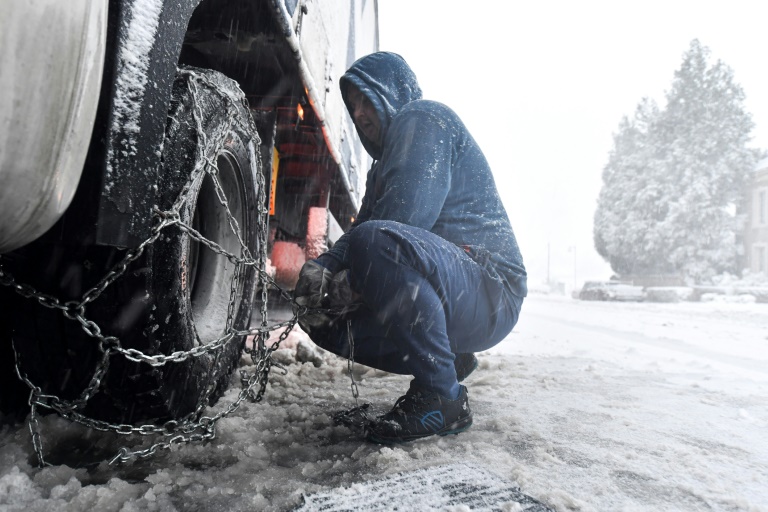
[311,292]
[312,287]
[340,293]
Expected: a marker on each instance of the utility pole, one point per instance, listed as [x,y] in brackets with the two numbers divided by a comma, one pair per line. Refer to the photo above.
[573,248]
[547,263]
[574,267]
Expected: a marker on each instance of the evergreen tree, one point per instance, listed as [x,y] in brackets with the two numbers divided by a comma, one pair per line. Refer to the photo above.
[673,186]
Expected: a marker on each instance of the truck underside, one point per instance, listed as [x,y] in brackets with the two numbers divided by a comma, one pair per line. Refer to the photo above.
[296,157]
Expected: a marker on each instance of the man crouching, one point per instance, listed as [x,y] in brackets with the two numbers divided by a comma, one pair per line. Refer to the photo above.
[431,257]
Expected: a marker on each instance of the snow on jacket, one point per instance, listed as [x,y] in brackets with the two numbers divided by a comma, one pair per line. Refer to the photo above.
[428,172]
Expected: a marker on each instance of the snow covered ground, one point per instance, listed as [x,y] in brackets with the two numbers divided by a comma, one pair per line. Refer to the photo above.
[586,406]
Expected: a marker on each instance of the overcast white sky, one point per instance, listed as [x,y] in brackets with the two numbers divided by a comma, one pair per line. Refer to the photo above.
[543,85]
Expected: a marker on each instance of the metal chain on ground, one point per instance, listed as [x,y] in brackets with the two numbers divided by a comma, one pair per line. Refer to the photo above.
[194,427]
[356,418]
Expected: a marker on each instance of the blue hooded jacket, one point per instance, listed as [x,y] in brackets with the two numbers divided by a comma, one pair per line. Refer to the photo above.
[428,172]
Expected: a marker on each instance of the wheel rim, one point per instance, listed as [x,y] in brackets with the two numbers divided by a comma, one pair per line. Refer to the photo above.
[211,274]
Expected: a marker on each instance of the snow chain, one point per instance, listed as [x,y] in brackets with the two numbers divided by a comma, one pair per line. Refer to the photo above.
[194,427]
[356,418]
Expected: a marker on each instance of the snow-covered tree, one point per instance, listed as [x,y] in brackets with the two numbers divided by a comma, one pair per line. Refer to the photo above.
[673,186]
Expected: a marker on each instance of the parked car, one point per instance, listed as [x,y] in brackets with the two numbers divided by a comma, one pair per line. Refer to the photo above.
[611,290]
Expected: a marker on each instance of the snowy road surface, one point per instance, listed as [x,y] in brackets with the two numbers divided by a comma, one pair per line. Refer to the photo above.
[586,406]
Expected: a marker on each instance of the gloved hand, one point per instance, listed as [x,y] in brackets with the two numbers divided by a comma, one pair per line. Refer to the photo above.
[311,291]
[312,287]
[340,293]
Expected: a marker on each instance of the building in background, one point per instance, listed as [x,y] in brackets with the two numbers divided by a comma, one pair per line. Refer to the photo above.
[756,232]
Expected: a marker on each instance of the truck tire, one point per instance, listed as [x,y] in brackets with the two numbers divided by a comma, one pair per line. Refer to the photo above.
[179,293]
[13,392]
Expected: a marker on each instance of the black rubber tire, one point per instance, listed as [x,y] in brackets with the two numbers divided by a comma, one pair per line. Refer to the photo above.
[176,295]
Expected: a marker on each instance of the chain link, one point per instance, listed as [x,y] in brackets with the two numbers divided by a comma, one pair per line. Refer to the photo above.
[357,418]
[351,362]
[194,427]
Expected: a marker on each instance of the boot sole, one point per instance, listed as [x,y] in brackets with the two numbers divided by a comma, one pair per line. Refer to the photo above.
[457,427]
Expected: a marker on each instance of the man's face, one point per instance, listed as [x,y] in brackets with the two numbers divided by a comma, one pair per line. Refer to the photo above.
[364,114]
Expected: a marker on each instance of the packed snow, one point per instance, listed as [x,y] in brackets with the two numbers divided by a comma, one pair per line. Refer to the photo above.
[586,406]
[133,64]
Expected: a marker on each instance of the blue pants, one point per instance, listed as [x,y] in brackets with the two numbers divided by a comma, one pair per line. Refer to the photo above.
[425,299]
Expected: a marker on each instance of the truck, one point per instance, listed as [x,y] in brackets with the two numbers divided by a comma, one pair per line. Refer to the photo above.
[165,167]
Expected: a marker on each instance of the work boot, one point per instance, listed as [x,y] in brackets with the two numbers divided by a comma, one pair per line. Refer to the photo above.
[422,413]
[464,364]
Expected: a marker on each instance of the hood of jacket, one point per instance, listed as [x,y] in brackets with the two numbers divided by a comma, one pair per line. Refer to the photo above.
[388,82]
